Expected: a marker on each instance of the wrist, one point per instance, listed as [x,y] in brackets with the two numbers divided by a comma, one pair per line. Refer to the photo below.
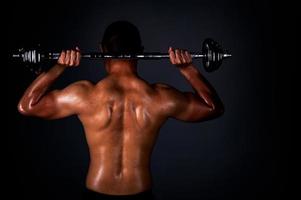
[60,66]
[189,70]
[57,69]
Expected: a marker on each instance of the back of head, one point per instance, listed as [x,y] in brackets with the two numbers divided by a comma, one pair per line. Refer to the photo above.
[121,37]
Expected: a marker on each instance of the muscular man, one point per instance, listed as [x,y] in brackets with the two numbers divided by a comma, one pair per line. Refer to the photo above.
[122,114]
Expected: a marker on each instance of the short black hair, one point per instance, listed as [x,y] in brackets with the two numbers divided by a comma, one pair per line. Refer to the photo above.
[122,37]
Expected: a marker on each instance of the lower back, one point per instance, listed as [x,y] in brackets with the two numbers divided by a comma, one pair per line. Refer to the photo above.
[110,174]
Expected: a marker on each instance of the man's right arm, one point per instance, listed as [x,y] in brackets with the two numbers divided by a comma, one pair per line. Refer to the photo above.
[39,102]
[203,104]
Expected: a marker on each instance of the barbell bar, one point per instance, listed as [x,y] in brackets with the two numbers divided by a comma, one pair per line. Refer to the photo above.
[212,55]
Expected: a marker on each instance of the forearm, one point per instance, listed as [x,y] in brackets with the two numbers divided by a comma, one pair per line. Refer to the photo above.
[201,86]
[38,87]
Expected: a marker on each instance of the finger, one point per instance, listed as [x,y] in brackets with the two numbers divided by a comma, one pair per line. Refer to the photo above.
[78,57]
[178,60]
[61,59]
[172,55]
[72,58]
[188,55]
[182,56]
[67,59]
[185,56]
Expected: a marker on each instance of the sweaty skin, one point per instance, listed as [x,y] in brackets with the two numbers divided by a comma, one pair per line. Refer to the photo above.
[121,115]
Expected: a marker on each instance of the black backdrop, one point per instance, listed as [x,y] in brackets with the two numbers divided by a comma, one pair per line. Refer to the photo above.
[242,155]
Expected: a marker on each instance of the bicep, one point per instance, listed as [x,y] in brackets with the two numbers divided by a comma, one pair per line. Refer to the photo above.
[189,107]
[184,106]
[52,107]
[60,103]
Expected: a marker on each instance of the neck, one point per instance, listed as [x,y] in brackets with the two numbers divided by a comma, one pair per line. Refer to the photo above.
[121,67]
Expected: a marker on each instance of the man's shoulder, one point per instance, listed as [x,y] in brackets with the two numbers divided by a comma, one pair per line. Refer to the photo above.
[162,87]
[81,86]
[167,92]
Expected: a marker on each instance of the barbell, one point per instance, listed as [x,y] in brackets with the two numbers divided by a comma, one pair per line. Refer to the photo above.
[212,55]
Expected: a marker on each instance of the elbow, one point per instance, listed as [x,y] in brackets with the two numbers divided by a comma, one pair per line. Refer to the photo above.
[211,112]
[23,109]
[217,109]
[219,112]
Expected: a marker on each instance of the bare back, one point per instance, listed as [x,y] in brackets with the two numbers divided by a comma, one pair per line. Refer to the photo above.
[121,115]
[121,124]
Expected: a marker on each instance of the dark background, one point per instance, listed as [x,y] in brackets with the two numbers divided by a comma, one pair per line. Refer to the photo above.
[245,154]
